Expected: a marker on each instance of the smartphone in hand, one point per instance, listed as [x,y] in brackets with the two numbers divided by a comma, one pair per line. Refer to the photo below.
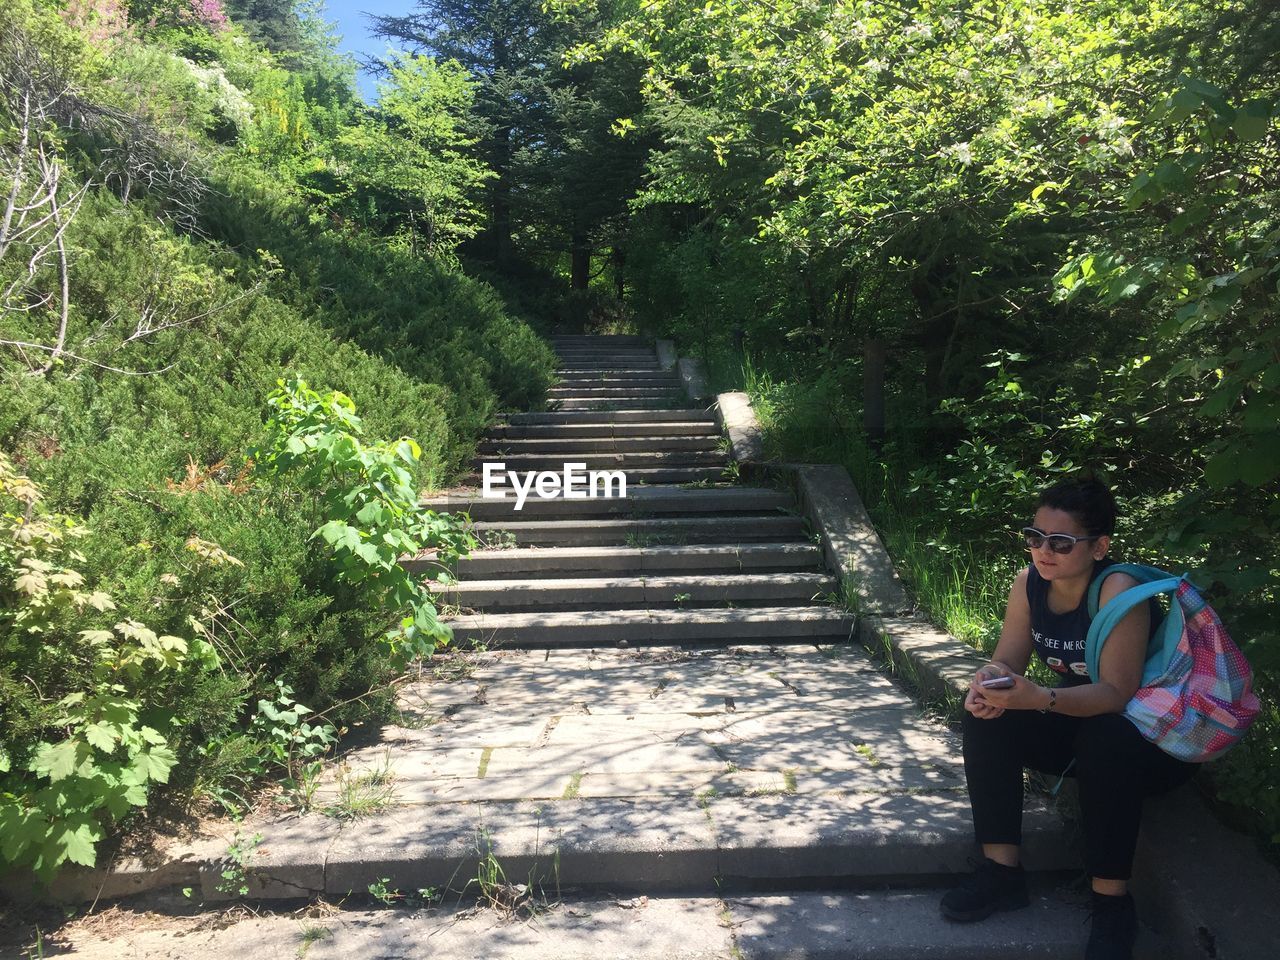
[997,683]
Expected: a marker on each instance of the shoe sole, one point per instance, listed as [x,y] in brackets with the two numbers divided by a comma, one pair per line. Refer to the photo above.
[970,916]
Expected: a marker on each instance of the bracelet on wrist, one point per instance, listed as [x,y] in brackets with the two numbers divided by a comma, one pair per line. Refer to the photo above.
[1053,701]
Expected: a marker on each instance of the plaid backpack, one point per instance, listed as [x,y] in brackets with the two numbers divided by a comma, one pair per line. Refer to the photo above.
[1196,700]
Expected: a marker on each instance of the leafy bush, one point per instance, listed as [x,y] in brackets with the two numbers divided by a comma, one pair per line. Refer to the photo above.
[202,265]
[87,711]
[368,504]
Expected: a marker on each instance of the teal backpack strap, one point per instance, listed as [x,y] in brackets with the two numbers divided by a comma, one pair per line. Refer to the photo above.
[1139,572]
[1102,624]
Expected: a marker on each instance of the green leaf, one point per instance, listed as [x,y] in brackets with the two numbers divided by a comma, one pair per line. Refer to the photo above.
[77,836]
[58,761]
[101,735]
[20,828]
[1260,463]
[1222,469]
[155,764]
[1252,120]
[1219,401]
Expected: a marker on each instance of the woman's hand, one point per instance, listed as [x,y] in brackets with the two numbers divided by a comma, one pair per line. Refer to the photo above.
[1023,695]
[975,700]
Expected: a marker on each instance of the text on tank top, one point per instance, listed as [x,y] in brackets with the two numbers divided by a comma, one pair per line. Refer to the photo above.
[1059,638]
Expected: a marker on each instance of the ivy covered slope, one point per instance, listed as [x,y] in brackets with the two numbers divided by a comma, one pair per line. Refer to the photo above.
[197,210]
[973,245]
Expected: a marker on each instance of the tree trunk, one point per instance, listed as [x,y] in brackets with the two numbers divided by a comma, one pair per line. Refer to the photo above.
[500,215]
[935,330]
[874,355]
[619,256]
[580,258]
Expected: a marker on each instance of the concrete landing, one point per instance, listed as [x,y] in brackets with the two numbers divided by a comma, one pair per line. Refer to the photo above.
[868,925]
[655,771]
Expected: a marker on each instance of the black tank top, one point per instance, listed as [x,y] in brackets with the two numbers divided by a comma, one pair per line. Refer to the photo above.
[1059,637]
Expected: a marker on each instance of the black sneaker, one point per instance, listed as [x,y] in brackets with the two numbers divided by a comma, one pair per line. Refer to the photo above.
[1113,929]
[989,888]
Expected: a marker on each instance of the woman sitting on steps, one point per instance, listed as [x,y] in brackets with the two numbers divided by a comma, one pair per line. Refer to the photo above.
[1075,727]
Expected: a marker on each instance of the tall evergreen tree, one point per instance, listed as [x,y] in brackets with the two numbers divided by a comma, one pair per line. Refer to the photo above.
[563,175]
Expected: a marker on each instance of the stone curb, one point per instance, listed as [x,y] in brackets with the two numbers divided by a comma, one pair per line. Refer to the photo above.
[738,422]
[666,351]
[694,378]
[707,844]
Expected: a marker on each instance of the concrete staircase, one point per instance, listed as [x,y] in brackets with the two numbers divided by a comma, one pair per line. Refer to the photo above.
[687,557]
[747,757]
[809,768]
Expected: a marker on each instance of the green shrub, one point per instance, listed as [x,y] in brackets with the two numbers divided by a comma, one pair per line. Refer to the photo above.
[87,709]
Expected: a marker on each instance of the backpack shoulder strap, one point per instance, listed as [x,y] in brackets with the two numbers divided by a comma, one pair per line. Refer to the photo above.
[1139,572]
[1101,625]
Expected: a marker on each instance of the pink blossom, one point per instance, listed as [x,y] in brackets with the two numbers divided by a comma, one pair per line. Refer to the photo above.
[100,20]
[208,13]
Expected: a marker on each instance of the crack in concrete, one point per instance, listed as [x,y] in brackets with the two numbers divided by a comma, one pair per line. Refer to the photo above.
[545,736]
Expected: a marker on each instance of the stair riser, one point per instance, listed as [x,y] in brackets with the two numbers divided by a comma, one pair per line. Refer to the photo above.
[604,366]
[628,561]
[670,383]
[610,461]
[621,375]
[641,532]
[603,339]
[612,393]
[695,503]
[647,634]
[571,446]
[586,431]
[640,596]
[611,416]
[607,356]
[645,476]
[605,405]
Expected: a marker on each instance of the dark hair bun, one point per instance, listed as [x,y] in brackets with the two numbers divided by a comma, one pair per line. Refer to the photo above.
[1087,499]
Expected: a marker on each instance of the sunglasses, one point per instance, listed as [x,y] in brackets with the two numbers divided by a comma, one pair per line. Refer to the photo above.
[1058,542]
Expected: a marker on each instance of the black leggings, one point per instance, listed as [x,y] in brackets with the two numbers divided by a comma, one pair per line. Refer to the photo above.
[1117,768]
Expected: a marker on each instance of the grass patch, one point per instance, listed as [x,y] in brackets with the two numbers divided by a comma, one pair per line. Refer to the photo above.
[364,793]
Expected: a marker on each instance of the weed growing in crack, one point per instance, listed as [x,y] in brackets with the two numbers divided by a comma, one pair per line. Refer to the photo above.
[362,794]
[235,876]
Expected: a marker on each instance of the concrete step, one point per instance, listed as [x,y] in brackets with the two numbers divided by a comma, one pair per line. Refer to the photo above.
[597,445]
[631,459]
[642,475]
[808,924]
[619,373]
[639,533]
[634,361]
[575,392]
[659,500]
[719,558]
[653,627]
[687,415]
[644,403]
[588,353]
[604,365]
[553,431]
[616,593]
[671,382]
[601,339]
